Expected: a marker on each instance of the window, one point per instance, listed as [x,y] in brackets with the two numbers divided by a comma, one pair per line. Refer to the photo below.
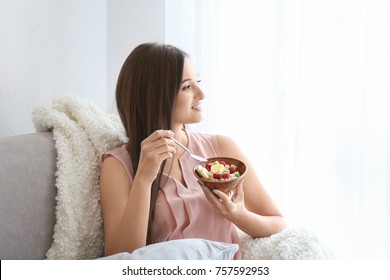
[312,79]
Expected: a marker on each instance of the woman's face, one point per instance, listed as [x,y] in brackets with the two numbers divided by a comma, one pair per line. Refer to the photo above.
[187,108]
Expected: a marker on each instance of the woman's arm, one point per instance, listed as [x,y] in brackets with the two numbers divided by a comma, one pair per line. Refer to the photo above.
[125,206]
[253,210]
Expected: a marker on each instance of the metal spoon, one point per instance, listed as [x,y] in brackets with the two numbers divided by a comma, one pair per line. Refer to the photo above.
[199,158]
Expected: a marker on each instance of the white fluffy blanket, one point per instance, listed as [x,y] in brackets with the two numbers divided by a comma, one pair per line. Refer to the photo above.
[82,133]
[290,244]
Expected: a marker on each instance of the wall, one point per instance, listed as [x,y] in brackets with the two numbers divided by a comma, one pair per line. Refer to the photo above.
[52,48]
[130,23]
[48,49]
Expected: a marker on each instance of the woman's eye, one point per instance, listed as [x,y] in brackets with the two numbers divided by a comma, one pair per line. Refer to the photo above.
[186,87]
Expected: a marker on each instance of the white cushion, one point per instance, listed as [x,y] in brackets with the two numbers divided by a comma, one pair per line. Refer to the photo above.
[180,249]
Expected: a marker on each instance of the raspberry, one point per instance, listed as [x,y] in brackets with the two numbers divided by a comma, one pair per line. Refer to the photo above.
[217,176]
[225,175]
[222,162]
[208,166]
[232,170]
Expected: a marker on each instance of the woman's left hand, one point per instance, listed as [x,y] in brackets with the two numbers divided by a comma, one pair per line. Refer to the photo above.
[231,208]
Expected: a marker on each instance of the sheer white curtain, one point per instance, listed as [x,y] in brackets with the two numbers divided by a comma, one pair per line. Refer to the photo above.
[304,88]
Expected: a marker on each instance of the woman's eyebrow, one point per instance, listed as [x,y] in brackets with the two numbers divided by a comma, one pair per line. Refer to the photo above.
[189,79]
[186,80]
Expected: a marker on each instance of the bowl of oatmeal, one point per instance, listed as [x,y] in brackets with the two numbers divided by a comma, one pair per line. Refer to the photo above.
[222,173]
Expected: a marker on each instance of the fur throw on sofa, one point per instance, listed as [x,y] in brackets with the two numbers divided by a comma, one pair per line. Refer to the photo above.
[294,243]
[82,133]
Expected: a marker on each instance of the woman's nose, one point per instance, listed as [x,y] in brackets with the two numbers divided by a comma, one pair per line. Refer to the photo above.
[200,94]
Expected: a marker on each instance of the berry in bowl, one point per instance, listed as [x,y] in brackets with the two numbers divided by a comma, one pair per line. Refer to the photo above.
[222,173]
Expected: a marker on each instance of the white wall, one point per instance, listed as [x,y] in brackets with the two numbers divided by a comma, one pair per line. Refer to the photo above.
[49,48]
[130,23]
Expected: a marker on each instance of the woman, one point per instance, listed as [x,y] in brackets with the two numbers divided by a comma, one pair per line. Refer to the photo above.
[148,191]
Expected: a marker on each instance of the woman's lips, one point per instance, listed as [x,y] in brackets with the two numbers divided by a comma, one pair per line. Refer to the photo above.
[197,107]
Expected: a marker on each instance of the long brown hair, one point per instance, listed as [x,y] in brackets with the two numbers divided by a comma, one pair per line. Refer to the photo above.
[147,86]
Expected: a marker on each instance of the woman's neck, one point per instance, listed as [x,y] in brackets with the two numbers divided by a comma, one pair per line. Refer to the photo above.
[180,135]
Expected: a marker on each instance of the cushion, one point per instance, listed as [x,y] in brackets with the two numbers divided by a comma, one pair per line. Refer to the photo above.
[181,249]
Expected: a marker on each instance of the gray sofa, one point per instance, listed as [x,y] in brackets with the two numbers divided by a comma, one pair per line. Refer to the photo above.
[27,195]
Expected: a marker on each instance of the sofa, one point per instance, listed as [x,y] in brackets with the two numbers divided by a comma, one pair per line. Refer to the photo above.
[27,196]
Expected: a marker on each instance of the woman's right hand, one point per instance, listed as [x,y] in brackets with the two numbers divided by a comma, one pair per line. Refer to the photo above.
[156,148]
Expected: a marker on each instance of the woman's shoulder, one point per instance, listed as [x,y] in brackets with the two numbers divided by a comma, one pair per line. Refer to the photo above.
[214,144]
[228,147]
[223,144]
[118,156]
[224,140]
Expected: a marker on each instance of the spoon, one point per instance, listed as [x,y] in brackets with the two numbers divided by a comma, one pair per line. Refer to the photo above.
[199,158]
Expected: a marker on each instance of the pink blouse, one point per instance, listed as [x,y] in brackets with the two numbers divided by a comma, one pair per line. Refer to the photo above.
[183,211]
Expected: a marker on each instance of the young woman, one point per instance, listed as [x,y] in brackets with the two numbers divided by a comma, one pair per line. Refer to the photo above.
[148,191]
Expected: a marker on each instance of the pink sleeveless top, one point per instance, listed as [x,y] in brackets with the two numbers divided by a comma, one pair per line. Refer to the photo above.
[183,211]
